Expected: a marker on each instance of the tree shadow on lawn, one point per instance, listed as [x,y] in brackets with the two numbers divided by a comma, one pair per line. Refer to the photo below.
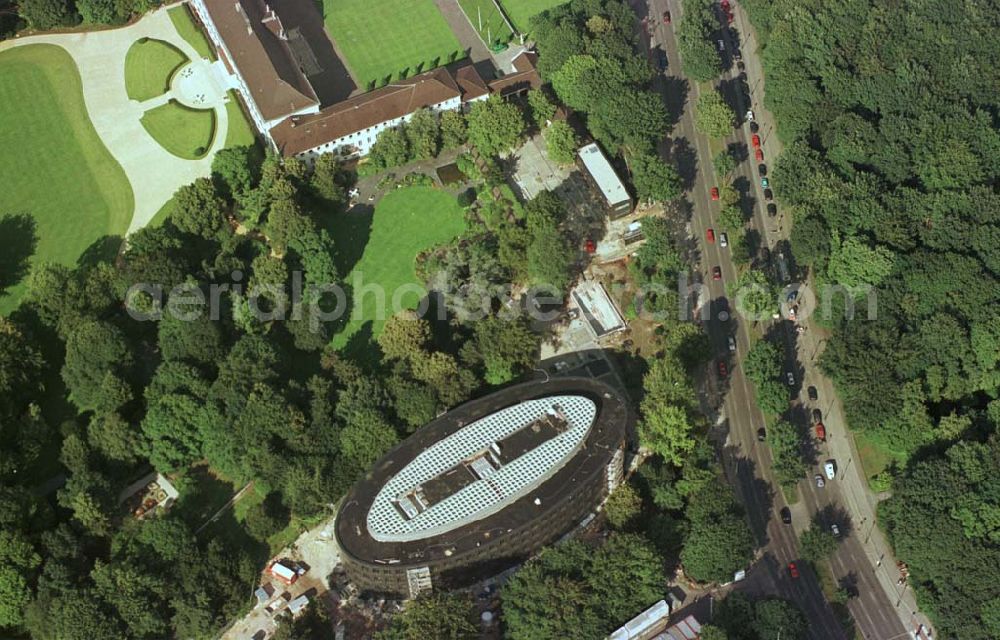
[104,249]
[350,232]
[362,348]
[19,232]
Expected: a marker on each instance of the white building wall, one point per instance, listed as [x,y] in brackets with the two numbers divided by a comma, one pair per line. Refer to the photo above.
[263,126]
[363,140]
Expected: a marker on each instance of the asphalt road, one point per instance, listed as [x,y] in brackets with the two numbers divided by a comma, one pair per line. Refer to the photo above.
[747,461]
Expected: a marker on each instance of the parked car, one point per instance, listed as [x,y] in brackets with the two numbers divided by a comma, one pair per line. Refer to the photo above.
[710,235]
[731,343]
[716,273]
[764,182]
[772,209]
[723,240]
[791,378]
[714,193]
[820,432]
[830,468]
[721,44]
[786,515]
[769,195]
[755,141]
[835,530]
[793,570]
[748,115]
[754,127]
[819,481]
[758,155]
[723,369]
[792,295]
[762,436]
[761,169]
[740,65]
[666,17]
[816,413]
[813,394]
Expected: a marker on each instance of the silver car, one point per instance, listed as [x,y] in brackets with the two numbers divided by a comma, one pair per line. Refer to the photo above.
[830,468]
[819,481]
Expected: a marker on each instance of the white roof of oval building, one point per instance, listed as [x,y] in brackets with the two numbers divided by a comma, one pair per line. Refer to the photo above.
[496,485]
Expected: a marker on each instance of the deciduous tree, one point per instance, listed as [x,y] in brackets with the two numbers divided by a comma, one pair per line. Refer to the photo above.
[713,116]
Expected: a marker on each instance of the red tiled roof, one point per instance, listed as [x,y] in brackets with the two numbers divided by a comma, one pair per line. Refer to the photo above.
[525,75]
[253,34]
[472,84]
[302,133]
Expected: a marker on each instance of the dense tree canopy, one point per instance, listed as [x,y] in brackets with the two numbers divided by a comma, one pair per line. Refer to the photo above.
[890,168]
[495,125]
[587,50]
[951,563]
[574,590]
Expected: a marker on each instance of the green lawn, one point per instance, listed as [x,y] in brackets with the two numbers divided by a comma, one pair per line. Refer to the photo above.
[876,456]
[186,27]
[405,222]
[521,11]
[186,133]
[239,133]
[382,38]
[487,19]
[56,169]
[149,65]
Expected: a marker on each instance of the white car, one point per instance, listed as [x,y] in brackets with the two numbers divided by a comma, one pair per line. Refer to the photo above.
[819,481]
[835,530]
[722,45]
[723,240]
[749,115]
[791,378]
[732,343]
[830,468]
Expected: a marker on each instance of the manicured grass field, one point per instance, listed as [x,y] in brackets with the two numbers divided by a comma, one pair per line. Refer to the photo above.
[521,11]
[406,222]
[149,65]
[485,17]
[381,38]
[186,133]
[186,27]
[56,169]
[239,133]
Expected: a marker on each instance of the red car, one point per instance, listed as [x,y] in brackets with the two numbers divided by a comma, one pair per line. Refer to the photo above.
[759,155]
[820,431]
[666,17]
[716,273]
[755,141]
[710,235]
[793,570]
[714,193]
[723,370]
[725,6]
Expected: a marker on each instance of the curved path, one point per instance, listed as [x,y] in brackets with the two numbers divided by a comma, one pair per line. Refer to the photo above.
[153,172]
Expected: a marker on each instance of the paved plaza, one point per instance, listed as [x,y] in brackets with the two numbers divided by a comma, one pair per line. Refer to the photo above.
[153,172]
